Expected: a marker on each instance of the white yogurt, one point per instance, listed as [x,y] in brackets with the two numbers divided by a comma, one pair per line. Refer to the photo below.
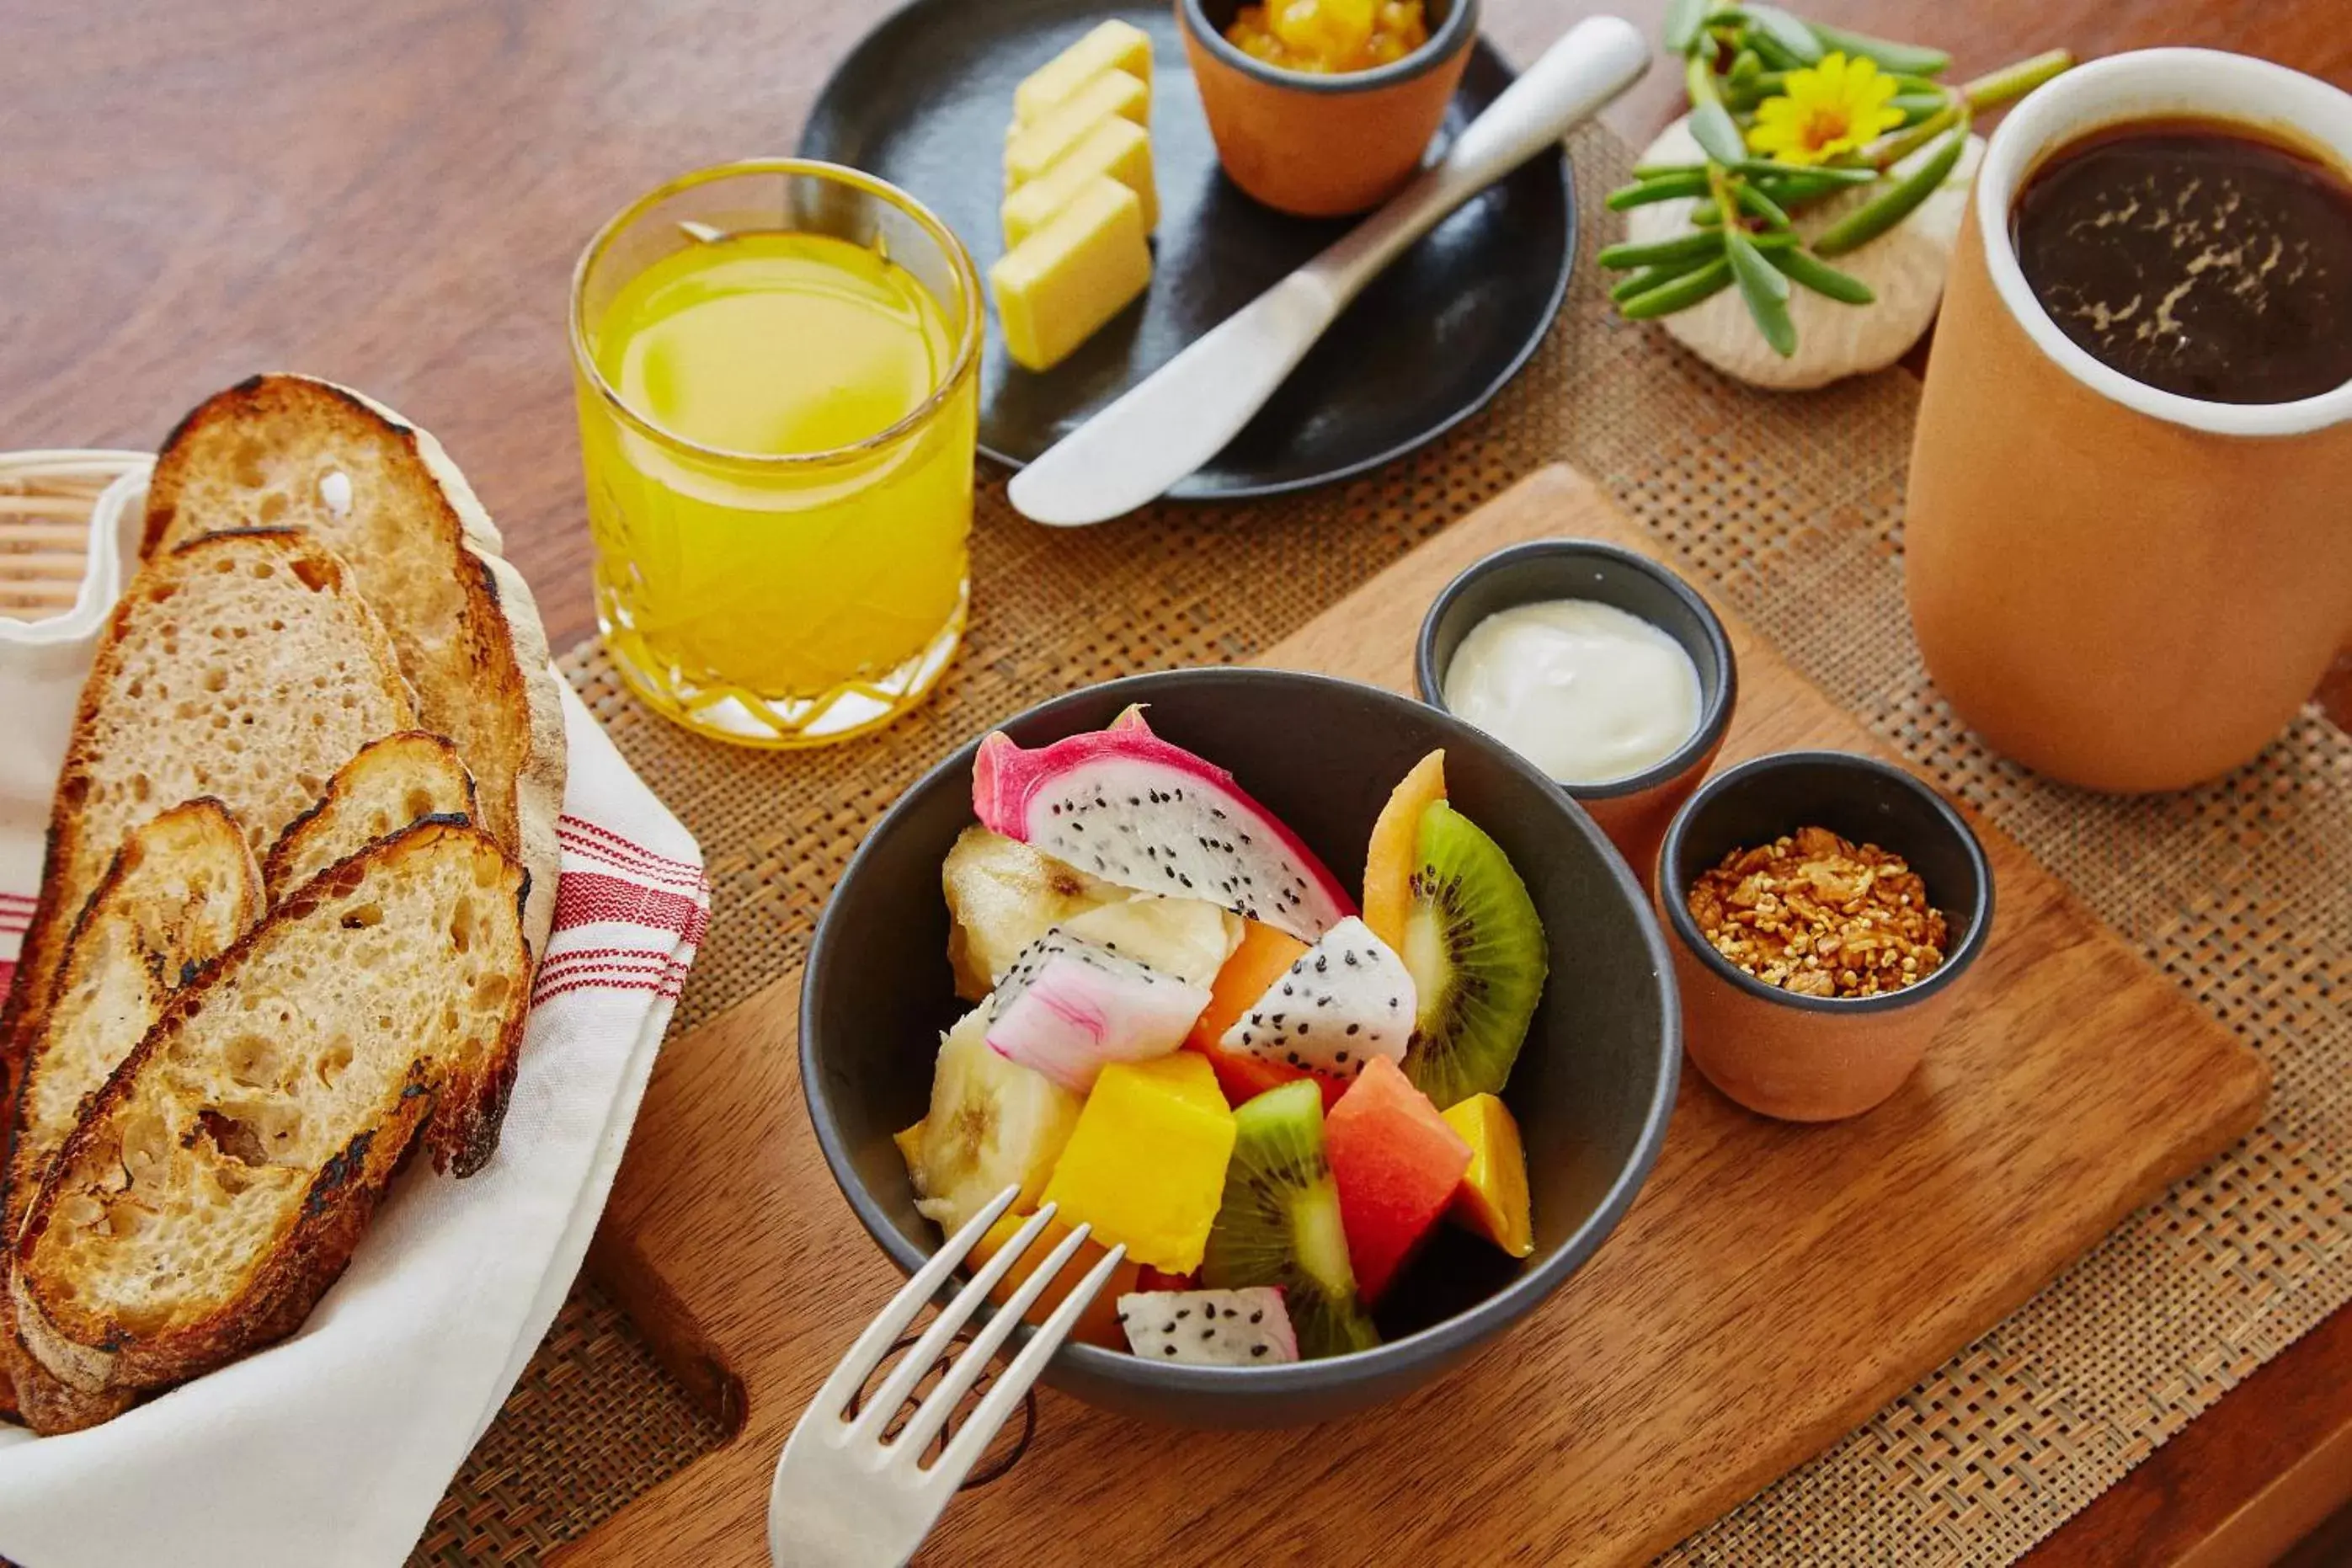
[1584,691]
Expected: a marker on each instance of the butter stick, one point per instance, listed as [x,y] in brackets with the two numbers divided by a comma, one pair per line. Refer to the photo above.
[1033,149]
[1056,288]
[1115,149]
[1114,46]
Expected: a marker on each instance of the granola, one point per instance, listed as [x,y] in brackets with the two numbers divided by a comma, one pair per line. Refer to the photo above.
[1814,914]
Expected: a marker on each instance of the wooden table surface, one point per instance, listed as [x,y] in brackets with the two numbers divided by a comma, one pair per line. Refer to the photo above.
[391,192]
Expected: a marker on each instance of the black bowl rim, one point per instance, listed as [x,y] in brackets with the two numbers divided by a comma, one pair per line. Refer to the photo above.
[1439,1342]
[1956,962]
[1715,714]
[1460,25]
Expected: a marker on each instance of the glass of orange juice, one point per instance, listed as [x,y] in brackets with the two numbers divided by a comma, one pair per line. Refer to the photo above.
[777,365]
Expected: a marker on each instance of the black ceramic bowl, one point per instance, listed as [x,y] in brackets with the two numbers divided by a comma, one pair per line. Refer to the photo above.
[1591,1091]
[1819,1058]
[1633,811]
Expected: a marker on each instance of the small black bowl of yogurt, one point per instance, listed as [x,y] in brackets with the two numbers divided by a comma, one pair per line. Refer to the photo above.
[1603,667]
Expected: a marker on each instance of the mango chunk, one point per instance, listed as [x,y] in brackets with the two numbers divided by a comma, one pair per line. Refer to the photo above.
[1056,288]
[1030,150]
[1146,1165]
[911,1145]
[1333,29]
[1099,1324]
[1188,1082]
[1115,149]
[1493,1198]
[1113,46]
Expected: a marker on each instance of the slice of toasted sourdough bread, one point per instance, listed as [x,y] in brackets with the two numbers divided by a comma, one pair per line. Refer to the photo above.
[216,1186]
[391,782]
[399,780]
[181,889]
[244,667]
[287,449]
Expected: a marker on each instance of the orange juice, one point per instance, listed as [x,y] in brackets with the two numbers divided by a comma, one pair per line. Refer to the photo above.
[782,509]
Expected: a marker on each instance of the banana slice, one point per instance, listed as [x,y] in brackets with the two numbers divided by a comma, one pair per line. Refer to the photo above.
[1187,938]
[1003,896]
[993,1124]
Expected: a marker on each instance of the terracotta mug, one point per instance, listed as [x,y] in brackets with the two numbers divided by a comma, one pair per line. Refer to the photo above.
[2121,587]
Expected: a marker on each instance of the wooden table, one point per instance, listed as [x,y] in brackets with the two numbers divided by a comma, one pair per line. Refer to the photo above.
[391,192]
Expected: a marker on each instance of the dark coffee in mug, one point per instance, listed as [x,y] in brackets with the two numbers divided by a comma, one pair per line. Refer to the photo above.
[2197,257]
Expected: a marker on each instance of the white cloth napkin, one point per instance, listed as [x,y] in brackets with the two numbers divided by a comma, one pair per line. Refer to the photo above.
[332,1447]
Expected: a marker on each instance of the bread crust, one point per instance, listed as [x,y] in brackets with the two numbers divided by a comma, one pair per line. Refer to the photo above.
[99,1365]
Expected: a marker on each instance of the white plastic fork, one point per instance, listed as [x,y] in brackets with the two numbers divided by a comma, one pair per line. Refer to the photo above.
[845,1498]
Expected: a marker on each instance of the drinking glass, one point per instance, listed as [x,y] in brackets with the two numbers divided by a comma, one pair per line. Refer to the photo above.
[789,598]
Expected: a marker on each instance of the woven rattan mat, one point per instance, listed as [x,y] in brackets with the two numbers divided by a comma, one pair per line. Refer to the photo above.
[1789,509]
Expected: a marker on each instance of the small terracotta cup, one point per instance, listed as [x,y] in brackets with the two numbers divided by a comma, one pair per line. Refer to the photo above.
[1633,811]
[2120,587]
[1817,1058]
[1324,146]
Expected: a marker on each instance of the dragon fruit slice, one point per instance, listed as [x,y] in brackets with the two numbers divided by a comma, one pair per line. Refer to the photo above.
[1346,1000]
[1134,809]
[1067,1007]
[1209,1328]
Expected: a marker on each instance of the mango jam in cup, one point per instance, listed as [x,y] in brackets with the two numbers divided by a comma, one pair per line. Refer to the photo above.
[1324,142]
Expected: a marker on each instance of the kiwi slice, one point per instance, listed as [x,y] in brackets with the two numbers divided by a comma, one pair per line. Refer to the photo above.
[1475,950]
[1279,1221]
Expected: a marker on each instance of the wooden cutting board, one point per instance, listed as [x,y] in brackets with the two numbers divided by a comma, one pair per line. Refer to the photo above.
[1772,1286]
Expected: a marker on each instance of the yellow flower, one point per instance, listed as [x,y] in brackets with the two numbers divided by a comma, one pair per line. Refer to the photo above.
[1828,108]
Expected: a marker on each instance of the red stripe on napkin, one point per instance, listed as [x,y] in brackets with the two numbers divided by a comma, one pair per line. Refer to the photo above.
[565,966]
[669,988]
[588,897]
[594,843]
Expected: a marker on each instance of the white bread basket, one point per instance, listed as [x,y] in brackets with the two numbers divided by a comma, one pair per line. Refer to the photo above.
[64,518]
[61,519]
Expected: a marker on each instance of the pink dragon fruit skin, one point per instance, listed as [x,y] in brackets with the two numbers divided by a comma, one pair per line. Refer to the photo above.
[1137,810]
[1068,1008]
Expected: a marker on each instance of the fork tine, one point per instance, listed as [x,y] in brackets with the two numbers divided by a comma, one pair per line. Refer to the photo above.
[936,1339]
[863,1357]
[941,1403]
[977,1433]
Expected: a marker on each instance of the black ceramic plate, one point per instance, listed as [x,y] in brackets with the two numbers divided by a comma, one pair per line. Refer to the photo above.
[923,101]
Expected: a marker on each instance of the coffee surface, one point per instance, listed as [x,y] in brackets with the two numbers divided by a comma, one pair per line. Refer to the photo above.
[2196,257]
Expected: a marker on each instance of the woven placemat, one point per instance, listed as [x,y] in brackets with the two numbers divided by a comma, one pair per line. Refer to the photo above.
[1788,508]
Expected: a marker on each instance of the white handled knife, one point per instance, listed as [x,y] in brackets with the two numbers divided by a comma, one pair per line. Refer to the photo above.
[1184,412]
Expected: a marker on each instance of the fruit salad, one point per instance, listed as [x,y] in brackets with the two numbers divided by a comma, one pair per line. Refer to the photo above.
[1186,1036]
